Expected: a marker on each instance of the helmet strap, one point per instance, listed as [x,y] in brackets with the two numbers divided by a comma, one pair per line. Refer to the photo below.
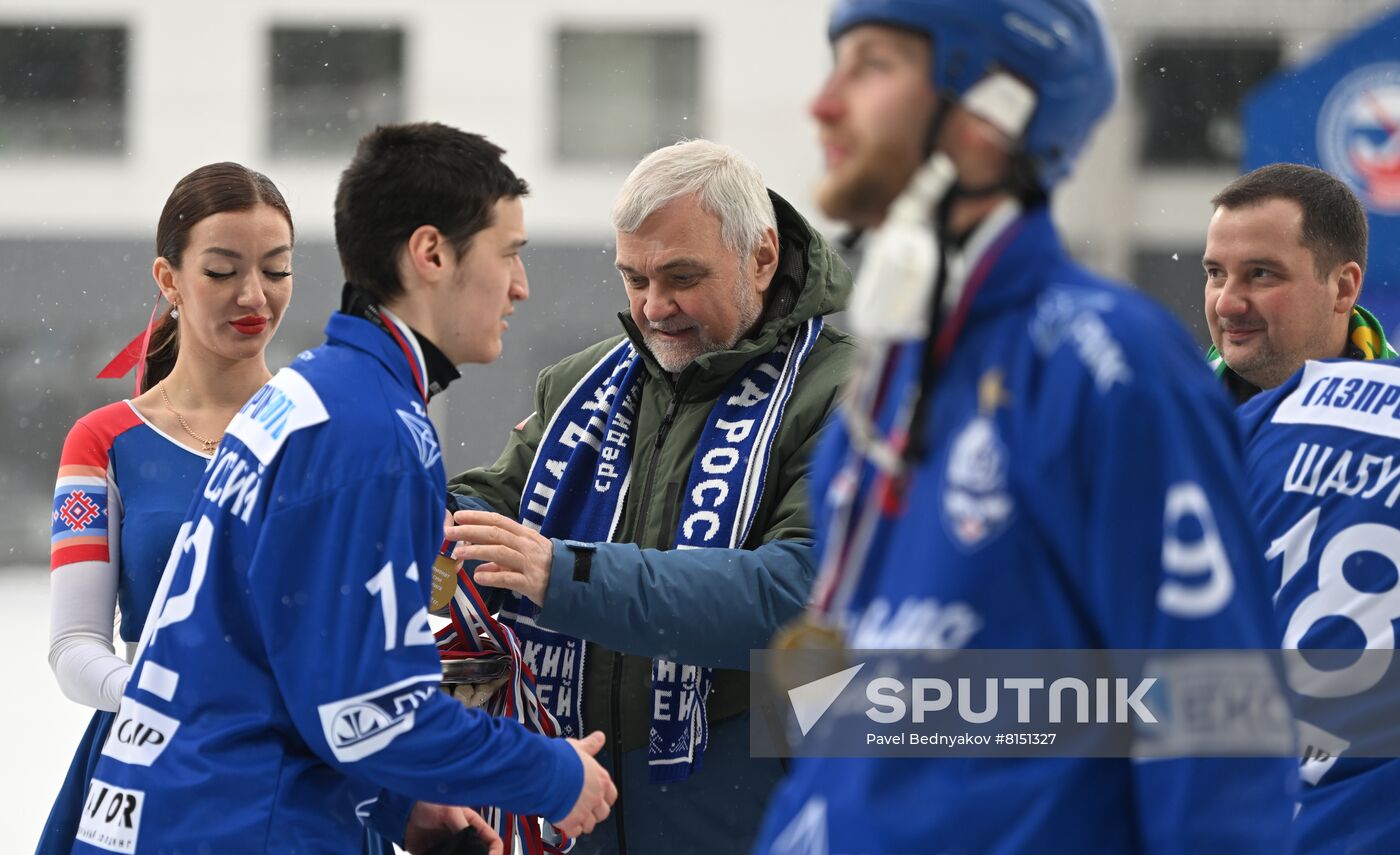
[1007,104]
[902,265]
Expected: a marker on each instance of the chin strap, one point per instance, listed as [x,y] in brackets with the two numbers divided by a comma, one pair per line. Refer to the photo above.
[906,259]
[900,270]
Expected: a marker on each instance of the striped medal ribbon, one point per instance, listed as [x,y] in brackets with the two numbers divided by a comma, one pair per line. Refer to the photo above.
[474,633]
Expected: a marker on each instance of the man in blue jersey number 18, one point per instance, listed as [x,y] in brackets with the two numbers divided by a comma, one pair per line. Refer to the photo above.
[286,688]
[1284,261]
[1029,452]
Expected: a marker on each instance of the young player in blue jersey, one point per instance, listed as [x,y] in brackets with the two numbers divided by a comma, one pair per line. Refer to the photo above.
[1321,455]
[1032,457]
[287,683]
[128,470]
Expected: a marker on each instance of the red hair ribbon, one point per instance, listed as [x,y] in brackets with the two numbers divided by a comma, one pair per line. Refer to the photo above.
[134,354]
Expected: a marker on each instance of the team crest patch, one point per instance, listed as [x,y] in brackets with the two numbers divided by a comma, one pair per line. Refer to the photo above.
[76,511]
[424,437]
[1355,134]
[976,502]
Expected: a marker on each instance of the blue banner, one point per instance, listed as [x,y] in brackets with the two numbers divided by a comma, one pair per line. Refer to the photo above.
[1341,112]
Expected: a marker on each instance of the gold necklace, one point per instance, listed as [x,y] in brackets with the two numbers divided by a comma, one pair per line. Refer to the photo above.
[209,444]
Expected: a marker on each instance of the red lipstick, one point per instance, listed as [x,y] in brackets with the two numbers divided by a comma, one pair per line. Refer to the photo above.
[249,324]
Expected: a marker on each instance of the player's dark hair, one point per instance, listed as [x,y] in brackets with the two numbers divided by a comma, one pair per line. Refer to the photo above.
[407,176]
[214,189]
[1334,222]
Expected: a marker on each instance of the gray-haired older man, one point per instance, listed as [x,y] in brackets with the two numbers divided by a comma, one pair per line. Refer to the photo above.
[650,518]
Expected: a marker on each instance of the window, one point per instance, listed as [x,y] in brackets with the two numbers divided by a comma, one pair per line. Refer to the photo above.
[332,85]
[62,89]
[1173,275]
[624,93]
[1191,92]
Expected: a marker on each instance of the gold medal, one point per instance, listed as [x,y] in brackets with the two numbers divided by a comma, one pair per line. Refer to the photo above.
[444,584]
[808,633]
[804,650]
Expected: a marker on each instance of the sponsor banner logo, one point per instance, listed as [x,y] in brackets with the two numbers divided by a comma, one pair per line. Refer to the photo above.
[359,726]
[1357,395]
[1356,134]
[279,409]
[139,734]
[111,817]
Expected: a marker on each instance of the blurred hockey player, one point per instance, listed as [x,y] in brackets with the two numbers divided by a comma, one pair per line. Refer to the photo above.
[1033,457]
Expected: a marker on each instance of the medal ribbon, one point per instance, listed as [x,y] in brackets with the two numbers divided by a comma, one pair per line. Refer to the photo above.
[472,633]
[855,519]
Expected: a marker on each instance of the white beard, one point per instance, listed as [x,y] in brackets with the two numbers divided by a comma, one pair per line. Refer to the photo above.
[675,356]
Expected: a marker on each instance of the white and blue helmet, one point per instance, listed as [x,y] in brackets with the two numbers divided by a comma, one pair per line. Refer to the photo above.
[1060,48]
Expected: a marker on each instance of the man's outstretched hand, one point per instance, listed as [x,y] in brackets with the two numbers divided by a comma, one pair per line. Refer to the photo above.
[598,794]
[517,557]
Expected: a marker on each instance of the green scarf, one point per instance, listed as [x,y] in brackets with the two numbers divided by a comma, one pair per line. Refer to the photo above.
[1365,340]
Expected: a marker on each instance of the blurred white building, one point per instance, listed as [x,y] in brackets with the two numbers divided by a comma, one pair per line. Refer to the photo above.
[104,105]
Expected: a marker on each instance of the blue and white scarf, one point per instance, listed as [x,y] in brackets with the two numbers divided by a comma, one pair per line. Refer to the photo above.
[578,486]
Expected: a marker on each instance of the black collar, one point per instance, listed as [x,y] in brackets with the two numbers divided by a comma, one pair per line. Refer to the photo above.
[1239,389]
[441,372]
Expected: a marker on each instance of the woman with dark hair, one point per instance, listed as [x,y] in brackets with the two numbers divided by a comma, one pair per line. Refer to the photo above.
[129,469]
